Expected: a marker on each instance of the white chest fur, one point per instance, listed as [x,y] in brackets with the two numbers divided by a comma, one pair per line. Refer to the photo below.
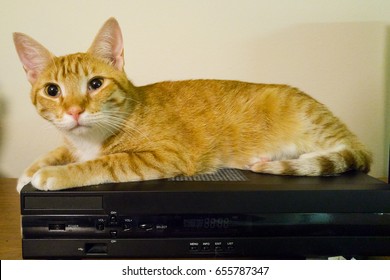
[86,150]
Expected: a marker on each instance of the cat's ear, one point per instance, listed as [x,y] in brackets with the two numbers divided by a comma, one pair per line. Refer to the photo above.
[33,56]
[108,44]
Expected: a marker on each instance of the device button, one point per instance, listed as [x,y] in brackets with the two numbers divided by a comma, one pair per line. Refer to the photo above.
[100,226]
[127,226]
[57,227]
[218,248]
[114,233]
[113,219]
[194,248]
[206,246]
[146,227]
[95,248]
[230,246]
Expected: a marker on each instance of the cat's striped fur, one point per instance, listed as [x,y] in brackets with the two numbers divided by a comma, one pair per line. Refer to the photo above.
[115,131]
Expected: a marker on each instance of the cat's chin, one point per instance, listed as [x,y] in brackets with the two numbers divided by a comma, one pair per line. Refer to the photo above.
[80,130]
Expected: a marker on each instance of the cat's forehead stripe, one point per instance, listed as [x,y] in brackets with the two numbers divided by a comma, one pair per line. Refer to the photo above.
[71,66]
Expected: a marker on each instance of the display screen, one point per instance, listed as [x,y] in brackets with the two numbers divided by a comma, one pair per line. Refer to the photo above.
[211,223]
[207,223]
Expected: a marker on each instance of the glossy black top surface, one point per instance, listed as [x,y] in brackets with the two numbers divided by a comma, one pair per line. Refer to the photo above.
[251,182]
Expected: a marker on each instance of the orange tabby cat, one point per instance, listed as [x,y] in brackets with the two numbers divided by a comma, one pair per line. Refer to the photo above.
[116,132]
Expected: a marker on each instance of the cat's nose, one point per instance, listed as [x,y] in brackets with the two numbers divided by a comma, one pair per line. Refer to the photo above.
[75,112]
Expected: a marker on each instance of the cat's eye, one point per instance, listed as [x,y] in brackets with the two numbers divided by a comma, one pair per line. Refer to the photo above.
[53,90]
[95,83]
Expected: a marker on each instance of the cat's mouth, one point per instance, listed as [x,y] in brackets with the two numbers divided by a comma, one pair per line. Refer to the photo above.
[79,128]
[68,125]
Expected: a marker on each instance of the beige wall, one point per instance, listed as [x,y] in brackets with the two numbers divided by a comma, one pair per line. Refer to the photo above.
[336,50]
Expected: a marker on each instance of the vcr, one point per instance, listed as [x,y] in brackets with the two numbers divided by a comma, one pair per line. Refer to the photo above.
[229,214]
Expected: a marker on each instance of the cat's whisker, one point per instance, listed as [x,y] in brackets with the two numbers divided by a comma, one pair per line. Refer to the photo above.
[125,128]
[105,129]
[116,113]
[132,130]
[132,99]
[112,122]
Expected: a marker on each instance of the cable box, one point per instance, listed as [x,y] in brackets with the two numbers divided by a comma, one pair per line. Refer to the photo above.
[229,214]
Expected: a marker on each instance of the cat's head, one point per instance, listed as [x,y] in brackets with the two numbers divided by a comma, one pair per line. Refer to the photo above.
[82,93]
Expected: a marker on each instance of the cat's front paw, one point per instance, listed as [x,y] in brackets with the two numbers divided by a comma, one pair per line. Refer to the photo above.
[22,181]
[47,179]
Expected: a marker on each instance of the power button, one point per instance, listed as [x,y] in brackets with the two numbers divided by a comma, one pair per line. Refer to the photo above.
[146,227]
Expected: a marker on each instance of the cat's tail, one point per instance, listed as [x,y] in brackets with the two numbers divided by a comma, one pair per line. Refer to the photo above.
[323,163]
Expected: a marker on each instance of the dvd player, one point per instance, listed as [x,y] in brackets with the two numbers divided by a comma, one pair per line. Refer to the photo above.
[230,214]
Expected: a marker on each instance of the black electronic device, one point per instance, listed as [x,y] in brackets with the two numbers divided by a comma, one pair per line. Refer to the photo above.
[232,213]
